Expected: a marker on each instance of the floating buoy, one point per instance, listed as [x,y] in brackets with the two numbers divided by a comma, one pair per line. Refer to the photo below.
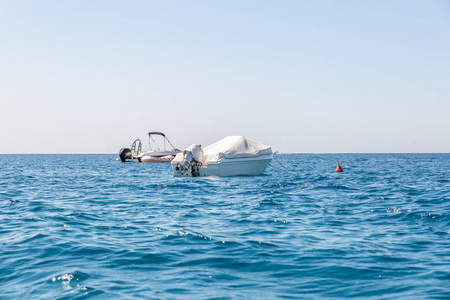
[338,168]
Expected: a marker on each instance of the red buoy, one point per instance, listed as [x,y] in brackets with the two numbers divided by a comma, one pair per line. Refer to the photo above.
[339,169]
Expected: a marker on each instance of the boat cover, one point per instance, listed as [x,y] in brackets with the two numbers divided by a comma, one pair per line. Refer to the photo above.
[233,147]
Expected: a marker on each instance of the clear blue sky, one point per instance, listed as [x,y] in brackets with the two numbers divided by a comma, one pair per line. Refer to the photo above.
[302,76]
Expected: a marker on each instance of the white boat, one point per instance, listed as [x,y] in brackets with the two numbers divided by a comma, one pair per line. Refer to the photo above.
[231,156]
[153,154]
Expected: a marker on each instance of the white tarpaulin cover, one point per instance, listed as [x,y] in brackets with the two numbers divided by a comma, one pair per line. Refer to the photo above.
[234,147]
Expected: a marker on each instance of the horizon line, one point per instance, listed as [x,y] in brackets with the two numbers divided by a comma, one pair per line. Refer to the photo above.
[273,153]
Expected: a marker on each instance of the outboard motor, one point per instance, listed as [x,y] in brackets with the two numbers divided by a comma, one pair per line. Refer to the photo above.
[125,154]
[186,163]
[190,160]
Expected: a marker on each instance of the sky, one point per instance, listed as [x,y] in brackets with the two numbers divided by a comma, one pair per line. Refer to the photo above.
[301,76]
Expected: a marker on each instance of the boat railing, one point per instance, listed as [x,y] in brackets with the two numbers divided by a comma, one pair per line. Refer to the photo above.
[136,144]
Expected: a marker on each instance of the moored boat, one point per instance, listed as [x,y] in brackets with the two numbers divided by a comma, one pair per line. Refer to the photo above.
[231,156]
[154,154]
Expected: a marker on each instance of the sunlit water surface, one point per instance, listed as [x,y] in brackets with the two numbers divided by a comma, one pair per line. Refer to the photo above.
[80,226]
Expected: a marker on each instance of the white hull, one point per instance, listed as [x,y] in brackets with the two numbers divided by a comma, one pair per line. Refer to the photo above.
[229,167]
[152,159]
[156,156]
[158,153]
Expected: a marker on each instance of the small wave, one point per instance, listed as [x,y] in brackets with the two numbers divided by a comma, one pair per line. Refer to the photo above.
[73,225]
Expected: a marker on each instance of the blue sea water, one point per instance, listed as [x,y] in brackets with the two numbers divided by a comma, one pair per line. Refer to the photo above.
[89,226]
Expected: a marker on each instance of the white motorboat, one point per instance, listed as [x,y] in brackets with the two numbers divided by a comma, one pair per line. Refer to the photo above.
[153,154]
[231,156]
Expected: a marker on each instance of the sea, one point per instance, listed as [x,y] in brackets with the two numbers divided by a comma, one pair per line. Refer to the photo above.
[89,226]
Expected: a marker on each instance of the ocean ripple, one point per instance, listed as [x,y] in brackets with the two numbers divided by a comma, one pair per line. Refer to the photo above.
[80,226]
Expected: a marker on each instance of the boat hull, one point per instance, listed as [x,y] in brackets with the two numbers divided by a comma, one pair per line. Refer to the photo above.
[229,167]
[155,159]
[156,156]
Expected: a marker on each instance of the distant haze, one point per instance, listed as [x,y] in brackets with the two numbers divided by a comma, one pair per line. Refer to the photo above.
[301,76]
